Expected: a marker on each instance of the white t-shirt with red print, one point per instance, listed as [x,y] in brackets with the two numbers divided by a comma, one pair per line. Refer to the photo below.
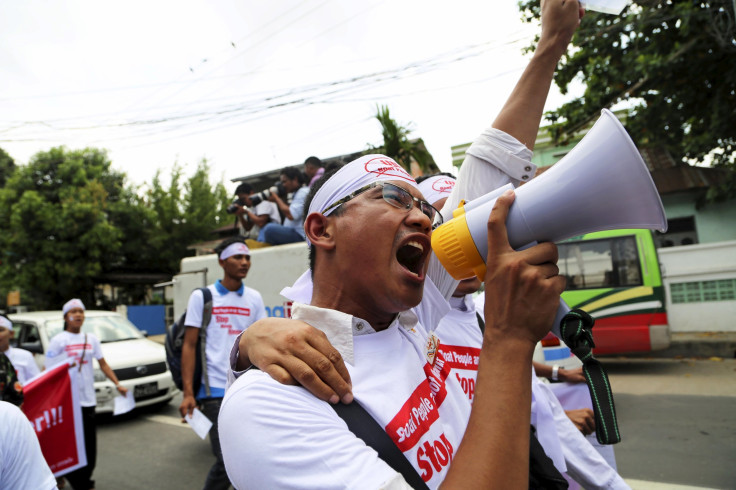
[272,426]
[460,342]
[232,312]
[82,348]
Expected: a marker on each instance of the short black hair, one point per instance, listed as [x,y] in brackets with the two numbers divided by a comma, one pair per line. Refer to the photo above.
[314,161]
[292,173]
[308,202]
[227,242]
[244,188]
[333,166]
[425,177]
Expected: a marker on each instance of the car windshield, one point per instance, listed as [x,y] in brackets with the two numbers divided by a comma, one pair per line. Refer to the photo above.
[110,328]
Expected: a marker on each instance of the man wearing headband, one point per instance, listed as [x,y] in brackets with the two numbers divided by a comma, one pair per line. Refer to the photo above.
[370,292]
[234,308]
[25,365]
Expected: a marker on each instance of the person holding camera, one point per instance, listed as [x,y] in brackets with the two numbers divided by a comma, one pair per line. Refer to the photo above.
[253,211]
[291,231]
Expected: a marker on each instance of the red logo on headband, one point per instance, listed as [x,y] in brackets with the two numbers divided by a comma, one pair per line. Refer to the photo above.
[385,167]
[443,185]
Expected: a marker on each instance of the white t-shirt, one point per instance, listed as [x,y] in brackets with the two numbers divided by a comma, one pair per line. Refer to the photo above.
[460,342]
[23,362]
[22,465]
[272,426]
[67,345]
[232,312]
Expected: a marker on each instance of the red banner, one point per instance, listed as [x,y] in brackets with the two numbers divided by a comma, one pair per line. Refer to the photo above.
[52,405]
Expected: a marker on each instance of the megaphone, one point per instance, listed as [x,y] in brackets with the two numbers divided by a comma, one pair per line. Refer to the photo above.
[601,184]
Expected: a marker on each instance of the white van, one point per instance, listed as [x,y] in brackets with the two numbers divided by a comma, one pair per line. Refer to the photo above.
[139,363]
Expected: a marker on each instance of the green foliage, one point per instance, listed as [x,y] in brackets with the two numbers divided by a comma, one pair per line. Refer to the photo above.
[396,144]
[56,236]
[672,61]
[68,219]
[7,167]
[185,213]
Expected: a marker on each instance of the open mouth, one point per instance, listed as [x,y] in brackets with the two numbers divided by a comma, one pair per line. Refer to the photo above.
[411,256]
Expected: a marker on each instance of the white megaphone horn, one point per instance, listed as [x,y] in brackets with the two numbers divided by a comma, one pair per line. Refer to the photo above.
[601,184]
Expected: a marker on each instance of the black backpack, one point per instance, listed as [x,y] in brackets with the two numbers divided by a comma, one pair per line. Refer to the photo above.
[175,341]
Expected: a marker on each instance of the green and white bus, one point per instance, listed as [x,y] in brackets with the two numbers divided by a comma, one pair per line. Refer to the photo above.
[615,277]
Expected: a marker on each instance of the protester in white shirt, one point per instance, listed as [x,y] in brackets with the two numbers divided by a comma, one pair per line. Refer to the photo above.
[369,262]
[22,360]
[234,308]
[22,465]
[82,347]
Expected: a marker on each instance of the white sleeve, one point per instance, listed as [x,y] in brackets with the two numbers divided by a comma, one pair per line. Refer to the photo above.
[266,427]
[493,160]
[22,464]
[55,354]
[584,464]
[96,347]
[194,310]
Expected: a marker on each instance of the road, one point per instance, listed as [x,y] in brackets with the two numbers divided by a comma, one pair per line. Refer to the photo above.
[677,420]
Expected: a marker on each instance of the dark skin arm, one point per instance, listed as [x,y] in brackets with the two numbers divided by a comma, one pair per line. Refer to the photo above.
[283,207]
[522,295]
[583,418]
[188,351]
[252,219]
[105,368]
[294,352]
[567,375]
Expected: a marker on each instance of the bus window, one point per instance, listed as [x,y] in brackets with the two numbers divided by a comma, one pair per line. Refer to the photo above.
[604,263]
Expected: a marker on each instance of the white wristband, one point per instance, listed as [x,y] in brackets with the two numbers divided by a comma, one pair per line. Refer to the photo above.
[555,372]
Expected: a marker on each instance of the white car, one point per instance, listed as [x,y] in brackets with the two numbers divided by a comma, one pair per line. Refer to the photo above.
[139,363]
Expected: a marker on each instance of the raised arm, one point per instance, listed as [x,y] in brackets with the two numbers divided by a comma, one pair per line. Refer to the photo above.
[502,153]
[522,295]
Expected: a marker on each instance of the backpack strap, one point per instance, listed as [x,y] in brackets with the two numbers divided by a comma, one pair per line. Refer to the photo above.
[542,471]
[366,428]
[206,317]
[481,323]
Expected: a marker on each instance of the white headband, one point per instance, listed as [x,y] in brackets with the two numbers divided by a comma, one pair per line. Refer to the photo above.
[237,248]
[354,175]
[4,322]
[436,188]
[72,303]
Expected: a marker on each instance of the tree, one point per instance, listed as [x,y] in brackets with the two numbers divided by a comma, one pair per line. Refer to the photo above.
[397,145]
[68,221]
[7,167]
[672,63]
[56,236]
[185,213]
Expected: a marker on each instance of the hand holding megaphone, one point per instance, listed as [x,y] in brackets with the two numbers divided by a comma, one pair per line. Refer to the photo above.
[602,184]
[522,288]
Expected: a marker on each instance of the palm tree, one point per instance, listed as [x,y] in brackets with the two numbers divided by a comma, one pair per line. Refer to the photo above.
[397,145]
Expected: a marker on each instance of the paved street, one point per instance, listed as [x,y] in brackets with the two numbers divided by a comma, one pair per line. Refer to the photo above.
[677,419]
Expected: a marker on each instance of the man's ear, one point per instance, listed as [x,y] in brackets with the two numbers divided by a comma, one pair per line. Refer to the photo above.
[319,231]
